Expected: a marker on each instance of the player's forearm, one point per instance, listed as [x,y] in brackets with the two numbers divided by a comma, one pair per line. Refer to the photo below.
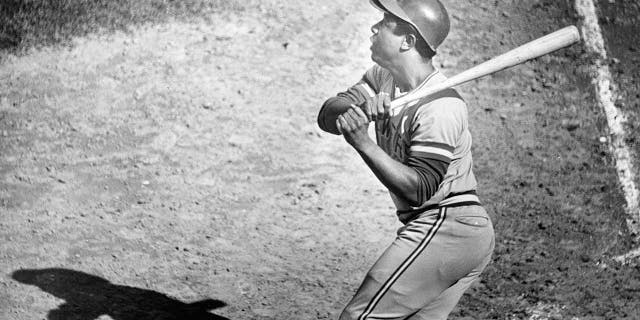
[330,111]
[400,179]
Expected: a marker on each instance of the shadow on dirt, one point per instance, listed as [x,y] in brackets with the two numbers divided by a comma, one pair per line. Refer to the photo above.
[88,297]
[28,23]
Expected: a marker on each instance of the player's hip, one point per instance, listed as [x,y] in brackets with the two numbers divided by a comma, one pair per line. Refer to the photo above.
[460,238]
[464,221]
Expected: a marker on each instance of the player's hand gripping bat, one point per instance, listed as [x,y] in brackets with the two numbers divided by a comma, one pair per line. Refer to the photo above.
[536,48]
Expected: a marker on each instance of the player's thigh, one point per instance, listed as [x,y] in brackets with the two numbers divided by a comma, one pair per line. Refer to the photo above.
[440,307]
[406,276]
[430,254]
[435,253]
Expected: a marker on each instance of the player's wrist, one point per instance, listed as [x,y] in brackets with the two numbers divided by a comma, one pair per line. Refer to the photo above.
[365,145]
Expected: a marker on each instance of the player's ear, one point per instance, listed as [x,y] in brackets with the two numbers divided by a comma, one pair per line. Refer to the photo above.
[409,41]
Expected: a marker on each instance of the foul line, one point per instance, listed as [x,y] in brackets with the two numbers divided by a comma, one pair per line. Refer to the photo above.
[605,89]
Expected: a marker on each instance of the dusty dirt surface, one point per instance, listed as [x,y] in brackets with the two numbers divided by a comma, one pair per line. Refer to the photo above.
[177,172]
[620,22]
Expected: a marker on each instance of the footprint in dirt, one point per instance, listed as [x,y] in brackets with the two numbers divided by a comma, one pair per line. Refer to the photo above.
[88,297]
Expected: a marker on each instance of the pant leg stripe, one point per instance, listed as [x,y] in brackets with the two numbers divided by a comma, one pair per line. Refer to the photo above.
[407,262]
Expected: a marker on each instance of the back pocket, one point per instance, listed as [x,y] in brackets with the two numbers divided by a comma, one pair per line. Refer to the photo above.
[474,221]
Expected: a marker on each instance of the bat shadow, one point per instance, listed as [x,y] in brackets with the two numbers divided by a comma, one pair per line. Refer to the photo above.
[88,297]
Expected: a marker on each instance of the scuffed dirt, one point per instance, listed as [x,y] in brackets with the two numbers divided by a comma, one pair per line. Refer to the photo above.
[620,23]
[181,166]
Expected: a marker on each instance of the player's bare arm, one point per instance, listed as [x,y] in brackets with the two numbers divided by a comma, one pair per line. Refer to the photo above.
[401,179]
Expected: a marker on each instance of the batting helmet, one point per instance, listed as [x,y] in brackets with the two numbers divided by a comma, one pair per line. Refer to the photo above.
[429,17]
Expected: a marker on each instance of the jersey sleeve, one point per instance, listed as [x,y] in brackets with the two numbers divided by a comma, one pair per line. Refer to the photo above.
[363,91]
[366,88]
[436,129]
[434,134]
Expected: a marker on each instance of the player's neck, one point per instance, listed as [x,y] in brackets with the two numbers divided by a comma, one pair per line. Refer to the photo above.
[410,75]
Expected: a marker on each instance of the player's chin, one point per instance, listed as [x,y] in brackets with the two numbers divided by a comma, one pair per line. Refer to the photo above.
[375,58]
[378,60]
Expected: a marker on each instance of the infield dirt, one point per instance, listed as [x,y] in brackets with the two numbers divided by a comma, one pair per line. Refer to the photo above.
[178,169]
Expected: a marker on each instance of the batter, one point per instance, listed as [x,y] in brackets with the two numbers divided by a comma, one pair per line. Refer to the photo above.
[422,154]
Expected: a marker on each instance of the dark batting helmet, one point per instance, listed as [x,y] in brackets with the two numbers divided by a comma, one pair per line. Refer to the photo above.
[429,17]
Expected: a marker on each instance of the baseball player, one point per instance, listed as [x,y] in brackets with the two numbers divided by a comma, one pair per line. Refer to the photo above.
[422,154]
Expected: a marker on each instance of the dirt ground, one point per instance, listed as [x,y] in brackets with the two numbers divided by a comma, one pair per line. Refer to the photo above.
[176,172]
[620,23]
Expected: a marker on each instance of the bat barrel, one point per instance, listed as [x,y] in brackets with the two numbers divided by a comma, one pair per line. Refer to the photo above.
[534,49]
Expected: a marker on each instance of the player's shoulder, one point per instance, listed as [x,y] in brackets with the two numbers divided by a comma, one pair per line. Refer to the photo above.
[444,102]
[448,96]
[380,71]
[378,76]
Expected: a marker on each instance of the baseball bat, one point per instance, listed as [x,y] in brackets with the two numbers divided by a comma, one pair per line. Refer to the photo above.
[530,50]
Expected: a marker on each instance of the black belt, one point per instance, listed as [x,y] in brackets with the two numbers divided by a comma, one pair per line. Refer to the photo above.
[415,212]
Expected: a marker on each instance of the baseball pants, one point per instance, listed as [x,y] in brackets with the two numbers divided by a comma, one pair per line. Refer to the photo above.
[424,272]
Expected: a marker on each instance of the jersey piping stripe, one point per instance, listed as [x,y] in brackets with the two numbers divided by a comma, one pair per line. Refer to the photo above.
[433,144]
[434,150]
[368,89]
[442,213]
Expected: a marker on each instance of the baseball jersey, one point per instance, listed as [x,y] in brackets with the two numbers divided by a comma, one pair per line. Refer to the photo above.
[431,130]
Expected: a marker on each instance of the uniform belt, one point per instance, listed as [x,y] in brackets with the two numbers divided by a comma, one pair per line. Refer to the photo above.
[467,198]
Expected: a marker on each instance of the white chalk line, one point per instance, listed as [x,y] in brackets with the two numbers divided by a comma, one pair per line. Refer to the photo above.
[605,90]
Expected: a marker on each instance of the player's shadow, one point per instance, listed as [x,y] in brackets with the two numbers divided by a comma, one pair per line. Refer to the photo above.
[88,297]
